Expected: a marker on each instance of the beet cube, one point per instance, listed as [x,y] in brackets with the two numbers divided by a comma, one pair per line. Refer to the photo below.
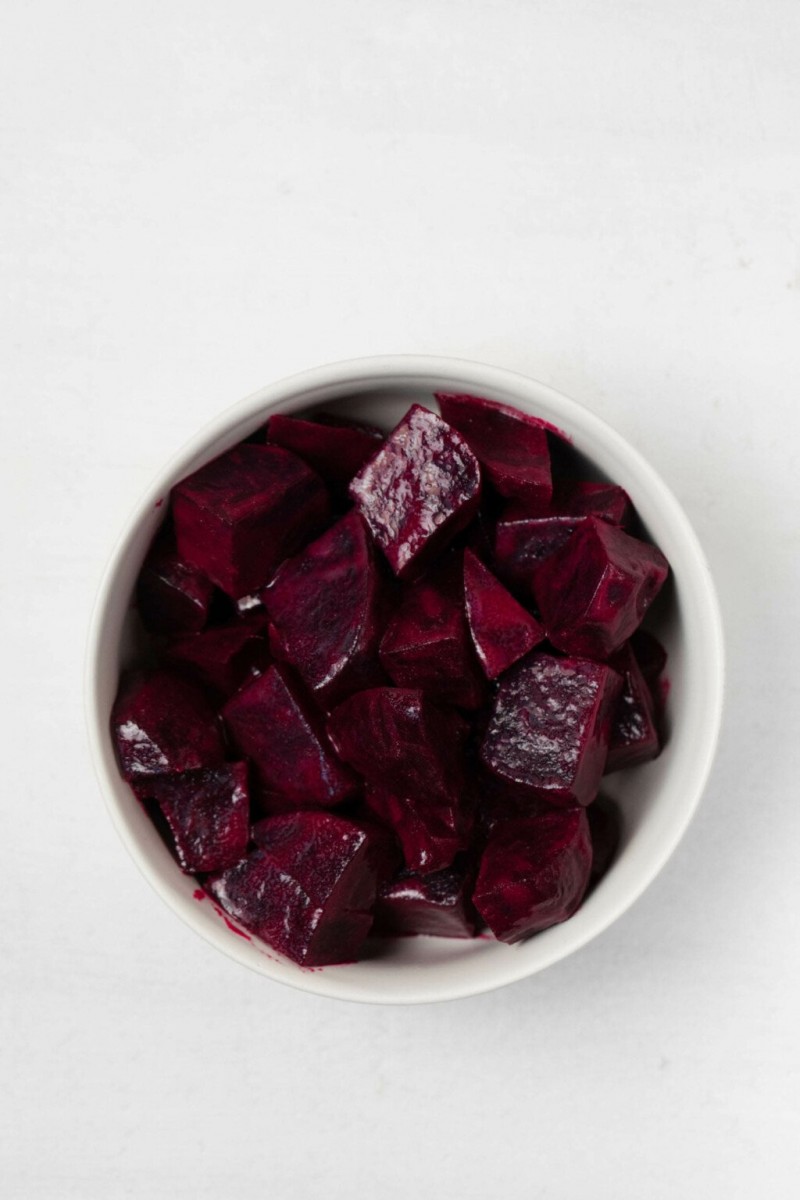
[418,491]
[502,631]
[607,501]
[239,516]
[326,609]
[270,723]
[208,813]
[171,595]
[223,658]
[605,829]
[550,727]
[307,890]
[521,545]
[334,449]
[437,904]
[163,724]
[595,590]
[510,445]
[534,873]
[430,834]
[634,736]
[650,655]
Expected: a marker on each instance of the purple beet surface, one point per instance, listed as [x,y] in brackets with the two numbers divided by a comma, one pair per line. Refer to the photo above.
[430,834]
[162,724]
[336,450]
[522,544]
[172,596]
[582,498]
[634,735]
[223,658]
[208,813]
[502,631]
[605,830]
[437,904]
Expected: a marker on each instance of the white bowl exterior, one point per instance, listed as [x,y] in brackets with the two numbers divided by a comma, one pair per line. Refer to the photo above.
[658,799]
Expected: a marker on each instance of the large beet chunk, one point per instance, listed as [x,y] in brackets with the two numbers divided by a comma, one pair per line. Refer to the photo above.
[522,544]
[634,735]
[430,833]
[325,605]
[595,590]
[502,631]
[163,724]
[172,596]
[418,490]
[550,727]
[534,873]
[307,890]
[334,449]
[510,446]
[584,498]
[239,516]
[270,724]
[224,657]
[208,813]
[438,904]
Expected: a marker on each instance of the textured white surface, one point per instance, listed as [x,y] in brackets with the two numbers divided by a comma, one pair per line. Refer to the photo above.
[197,198]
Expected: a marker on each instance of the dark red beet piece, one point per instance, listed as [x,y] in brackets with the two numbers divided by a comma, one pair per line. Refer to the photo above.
[270,723]
[650,655]
[583,498]
[550,727]
[208,813]
[162,725]
[427,643]
[634,736]
[326,608]
[502,631]
[604,827]
[335,451]
[420,489]
[239,516]
[172,597]
[521,545]
[430,834]
[223,658]
[534,873]
[437,904]
[510,446]
[307,890]
[595,590]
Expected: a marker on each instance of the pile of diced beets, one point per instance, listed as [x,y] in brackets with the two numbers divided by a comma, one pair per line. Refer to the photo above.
[386,674]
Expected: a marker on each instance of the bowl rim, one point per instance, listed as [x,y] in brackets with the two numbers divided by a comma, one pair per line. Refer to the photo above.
[364,373]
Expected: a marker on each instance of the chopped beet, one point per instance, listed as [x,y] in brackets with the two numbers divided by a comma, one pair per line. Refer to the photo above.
[172,597]
[502,631]
[634,736]
[650,655]
[437,904]
[270,723]
[162,725]
[326,609]
[307,890]
[607,501]
[418,491]
[604,827]
[208,813]
[595,590]
[223,658]
[521,545]
[534,873]
[336,451]
[249,606]
[239,516]
[550,727]
[427,643]
[510,446]
[430,834]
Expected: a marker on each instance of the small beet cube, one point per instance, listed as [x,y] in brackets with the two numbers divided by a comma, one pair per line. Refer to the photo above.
[427,643]
[550,727]
[521,545]
[223,658]
[634,736]
[595,590]
[418,491]
[171,595]
[208,813]
[608,501]
[510,446]
[437,904]
[326,609]
[430,834]
[604,827]
[162,725]
[239,516]
[534,873]
[502,631]
[334,450]
[307,890]
[268,722]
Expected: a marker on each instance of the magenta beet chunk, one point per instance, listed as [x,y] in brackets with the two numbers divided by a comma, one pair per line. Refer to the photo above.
[239,516]
[427,643]
[510,445]
[163,724]
[270,724]
[418,491]
[650,655]
[534,873]
[225,657]
[172,597]
[307,890]
[325,605]
[604,827]
[208,813]
[634,736]
[550,727]
[521,545]
[607,501]
[335,451]
[398,739]
[430,834]
[502,631]
[437,904]
[595,590]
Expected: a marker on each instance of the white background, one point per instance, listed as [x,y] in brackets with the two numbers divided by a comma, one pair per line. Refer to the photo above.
[198,198]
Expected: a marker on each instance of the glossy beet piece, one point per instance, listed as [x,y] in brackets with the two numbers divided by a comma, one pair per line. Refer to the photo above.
[550,727]
[172,596]
[326,609]
[634,735]
[269,723]
[534,873]
[605,829]
[335,450]
[427,643]
[239,516]
[421,488]
[308,888]
[163,724]
[510,446]
[502,631]
[521,545]
[224,658]
[595,590]
[437,904]
[398,739]
[430,834]
[607,501]
[208,813]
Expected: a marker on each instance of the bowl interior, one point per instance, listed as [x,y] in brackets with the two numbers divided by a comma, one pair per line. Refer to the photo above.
[657,800]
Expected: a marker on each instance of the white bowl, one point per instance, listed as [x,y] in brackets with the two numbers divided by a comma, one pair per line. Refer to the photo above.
[657,800]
